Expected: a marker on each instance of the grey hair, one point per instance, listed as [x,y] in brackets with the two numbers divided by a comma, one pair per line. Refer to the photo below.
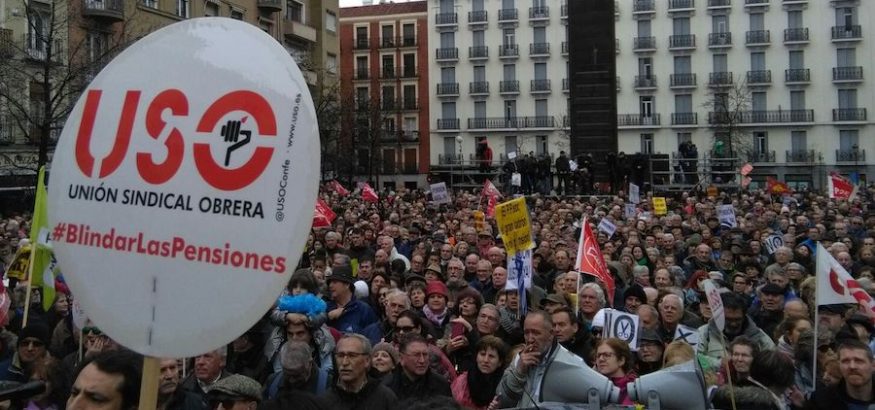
[680,300]
[294,352]
[398,293]
[366,344]
[640,270]
[599,293]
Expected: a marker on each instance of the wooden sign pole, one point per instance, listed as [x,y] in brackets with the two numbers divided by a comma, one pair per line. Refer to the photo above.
[149,383]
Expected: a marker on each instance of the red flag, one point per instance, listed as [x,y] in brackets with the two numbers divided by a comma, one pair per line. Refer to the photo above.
[339,188]
[840,188]
[368,193]
[323,215]
[590,260]
[490,207]
[490,190]
[777,187]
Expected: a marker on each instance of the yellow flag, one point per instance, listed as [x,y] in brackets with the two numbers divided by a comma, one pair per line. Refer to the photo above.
[41,271]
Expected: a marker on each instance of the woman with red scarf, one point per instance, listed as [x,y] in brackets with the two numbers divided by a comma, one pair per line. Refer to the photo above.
[613,359]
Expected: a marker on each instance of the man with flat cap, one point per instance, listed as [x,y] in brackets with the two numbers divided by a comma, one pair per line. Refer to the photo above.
[235,392]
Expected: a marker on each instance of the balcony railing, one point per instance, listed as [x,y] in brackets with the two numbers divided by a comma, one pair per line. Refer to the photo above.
[852,32]
[721,78]
[362,43]
[847,73]
[643,6]
[448,123]
[566,86]
[508,50]
[509,86]
[507,15]
[511,122]
[361,74]
[539,49]
[542,85]
[682,41]
[795,35]
[637,120]
[761,117]
[410,104]
[683,80]
[719,3]
[761,156]
[390,104]
[448,89]
[387,42]
[539,13]
[645,81]
[755,2]
[849,114]
[806,156]
[758,37]
[111,9]
[478,52]
[720,39]
[681,4]
[449,53]
[565,48]
[759,77]
[388,73]
[408,71]
[443,19]
[478,87]
[684,118]
[797,75]
[644,43]
[478,16]
[851,155]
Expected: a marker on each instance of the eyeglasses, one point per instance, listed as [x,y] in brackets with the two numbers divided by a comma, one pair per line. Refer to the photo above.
[93,330]
[405,329]
[348,355]
[605,355]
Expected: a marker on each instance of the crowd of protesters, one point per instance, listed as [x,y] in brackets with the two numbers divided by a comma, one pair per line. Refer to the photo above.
[402,304]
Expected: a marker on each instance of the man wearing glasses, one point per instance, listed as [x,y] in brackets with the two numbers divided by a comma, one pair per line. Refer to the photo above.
[353,388]
[32,343]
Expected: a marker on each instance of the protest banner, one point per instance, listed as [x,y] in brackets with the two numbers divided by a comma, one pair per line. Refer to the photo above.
[634,194]
[439,194]
[607,227]
[726,215]
[659,206]
[513,224]
[773,242]
[715,303]
[630,211]
[841,188]
[519,270]
[213,205]
[623,326]
[687,334]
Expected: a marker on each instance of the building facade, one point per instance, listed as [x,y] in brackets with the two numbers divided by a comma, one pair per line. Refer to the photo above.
[777,83]
[86,34]
[499,78]
[385,91]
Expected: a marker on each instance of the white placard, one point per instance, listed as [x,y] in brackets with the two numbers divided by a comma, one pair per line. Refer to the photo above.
[183,185]
[607,227]
[623,326]
[439,194]
[773,242]
[715,303]
[634,194]
[687,334]
[511,155]
[572,165]
[516,179]
[519,270]
[726,215]
[630,211]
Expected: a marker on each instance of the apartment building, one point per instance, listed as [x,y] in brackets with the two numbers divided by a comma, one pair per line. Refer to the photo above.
[385,87]
[780,82]
[86,34]
[498,70]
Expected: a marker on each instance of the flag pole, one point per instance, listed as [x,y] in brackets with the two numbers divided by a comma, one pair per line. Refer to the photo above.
[817,248]
[29,282]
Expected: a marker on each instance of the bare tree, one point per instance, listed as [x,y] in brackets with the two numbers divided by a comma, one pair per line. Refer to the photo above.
[728,109]
[43,72]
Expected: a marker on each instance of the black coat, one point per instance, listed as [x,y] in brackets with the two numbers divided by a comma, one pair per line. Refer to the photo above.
[426,386]
[833,398]
[374,396]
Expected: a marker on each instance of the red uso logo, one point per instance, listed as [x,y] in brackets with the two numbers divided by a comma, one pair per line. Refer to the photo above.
[156,173]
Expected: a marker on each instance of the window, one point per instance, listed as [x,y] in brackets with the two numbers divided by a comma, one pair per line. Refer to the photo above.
[409,64]
[794,19]
[408,31]
[645,67]
[847,99]
[331,63]
[210,9]
[684,137]
[510,144]
[846,57]
[509,72]
[361,96]
[541,108]
[681,26]
[539,34]
[646,143]
[719,23]
[849,140]
[479,38]
[646,106]
[450,147]
[479,109]
[508,37]
[361,36]
[797,100]
[236,14]
[510,109]
[540,145]
[758,61]
[540,71]
[720,64]
[388,69]
[683,103]
[758,101]
[798,141]
[448,75]
[797,59]
[294,11]
[330,22]
[479,73]
[757,22]
[845,16]
[448,110]
[682,65]
[760,142]
[361,67]
[183,8]
[387,34]
[644,28]
[477,5]
[151,3]
[409,95]
[448,39]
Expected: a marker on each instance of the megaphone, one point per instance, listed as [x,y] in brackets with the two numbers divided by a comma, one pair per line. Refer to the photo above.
[674,388]
[569,379]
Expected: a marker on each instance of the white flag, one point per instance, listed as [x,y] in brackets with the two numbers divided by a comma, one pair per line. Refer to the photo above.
[834,283]
[715,303]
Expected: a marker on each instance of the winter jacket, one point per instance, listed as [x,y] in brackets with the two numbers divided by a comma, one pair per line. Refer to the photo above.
[746,398]
[835,398]
[517,390]
[356,316]
[323,343]
[462,395]
[429,385]
[711,343]
[374,396]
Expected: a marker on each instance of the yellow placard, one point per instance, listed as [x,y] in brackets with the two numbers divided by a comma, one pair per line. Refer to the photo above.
[659,206]
[479,221]
[514,225]
[712,191]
